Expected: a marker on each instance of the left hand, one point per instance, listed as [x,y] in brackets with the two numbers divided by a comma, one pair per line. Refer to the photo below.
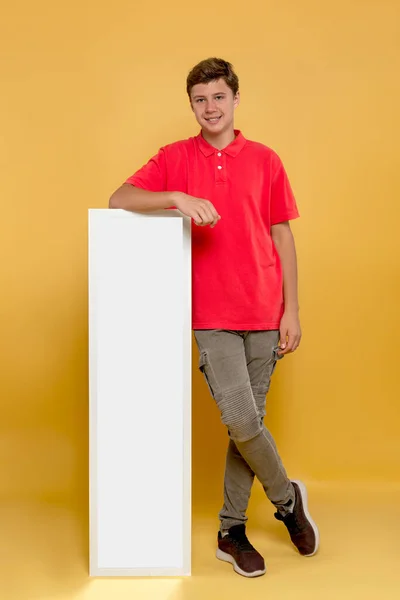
[290,333]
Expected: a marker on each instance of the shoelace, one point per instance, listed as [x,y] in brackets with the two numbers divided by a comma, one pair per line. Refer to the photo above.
[242,543]
[291,521]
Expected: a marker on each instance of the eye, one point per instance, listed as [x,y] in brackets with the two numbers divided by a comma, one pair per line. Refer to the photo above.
[219,97]
[199,100]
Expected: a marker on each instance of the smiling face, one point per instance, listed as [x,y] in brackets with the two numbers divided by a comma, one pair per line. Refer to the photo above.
[214,104]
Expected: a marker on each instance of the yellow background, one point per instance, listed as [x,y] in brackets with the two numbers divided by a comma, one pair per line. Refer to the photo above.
[88,92]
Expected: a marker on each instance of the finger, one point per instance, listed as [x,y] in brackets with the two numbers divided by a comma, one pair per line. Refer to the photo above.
[197,218]
[297,343]
[291,342]
[286,350]
[217,217]
[210,214]
[288,346]
[214,213]
[205,214]
[282,342]
[204,217]
[283,339]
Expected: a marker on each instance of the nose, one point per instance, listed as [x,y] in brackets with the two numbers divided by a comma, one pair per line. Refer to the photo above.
[210,106]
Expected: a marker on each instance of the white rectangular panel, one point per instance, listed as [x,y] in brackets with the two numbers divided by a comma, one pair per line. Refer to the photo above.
[140,393]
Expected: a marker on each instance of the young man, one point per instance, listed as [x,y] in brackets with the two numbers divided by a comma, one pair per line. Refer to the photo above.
[245,305]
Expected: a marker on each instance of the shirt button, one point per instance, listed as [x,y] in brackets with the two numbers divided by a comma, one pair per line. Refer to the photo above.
[219,167]
[219,154]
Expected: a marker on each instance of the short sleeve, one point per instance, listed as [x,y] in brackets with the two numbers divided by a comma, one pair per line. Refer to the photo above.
[153,175]
[283,203]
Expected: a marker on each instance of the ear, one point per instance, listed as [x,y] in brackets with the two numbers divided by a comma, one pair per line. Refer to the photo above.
[236,100]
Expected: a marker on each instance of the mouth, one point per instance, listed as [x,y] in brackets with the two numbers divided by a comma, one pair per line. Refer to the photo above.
[213,120]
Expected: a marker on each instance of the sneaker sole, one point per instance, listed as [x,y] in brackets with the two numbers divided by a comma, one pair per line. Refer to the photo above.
[304,497]
[229,559]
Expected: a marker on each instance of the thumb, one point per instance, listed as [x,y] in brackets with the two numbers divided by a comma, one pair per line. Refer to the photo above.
[282,342]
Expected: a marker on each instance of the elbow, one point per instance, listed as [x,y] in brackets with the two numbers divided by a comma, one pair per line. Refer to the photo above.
[121,198]
[113,201]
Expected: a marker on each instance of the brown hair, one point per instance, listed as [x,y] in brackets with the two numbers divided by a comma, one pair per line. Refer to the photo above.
[212,69]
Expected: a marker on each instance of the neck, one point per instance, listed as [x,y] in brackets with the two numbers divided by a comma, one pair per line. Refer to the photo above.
[220,140]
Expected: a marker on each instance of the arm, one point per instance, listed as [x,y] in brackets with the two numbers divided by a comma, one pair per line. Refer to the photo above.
[128,197]
[135,199]
[290,325]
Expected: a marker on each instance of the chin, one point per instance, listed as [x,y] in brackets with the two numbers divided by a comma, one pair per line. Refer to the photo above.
[214,129]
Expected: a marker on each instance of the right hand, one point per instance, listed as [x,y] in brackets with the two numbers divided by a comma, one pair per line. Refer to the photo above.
[201,211]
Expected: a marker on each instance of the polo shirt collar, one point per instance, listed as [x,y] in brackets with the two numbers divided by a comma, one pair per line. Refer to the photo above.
[232,149]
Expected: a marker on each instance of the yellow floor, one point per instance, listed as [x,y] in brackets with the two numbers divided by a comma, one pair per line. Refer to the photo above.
[44,553]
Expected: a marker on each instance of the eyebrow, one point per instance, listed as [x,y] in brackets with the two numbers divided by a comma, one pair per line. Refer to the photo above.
[216,94]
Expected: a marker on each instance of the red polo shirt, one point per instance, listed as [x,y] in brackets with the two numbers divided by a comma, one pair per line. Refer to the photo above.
[236,271]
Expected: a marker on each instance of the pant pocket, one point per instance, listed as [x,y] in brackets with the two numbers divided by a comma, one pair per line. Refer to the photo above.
[263,388]
[276,357]
[204,366]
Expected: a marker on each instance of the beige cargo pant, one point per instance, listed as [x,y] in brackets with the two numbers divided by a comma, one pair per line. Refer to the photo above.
[238,366]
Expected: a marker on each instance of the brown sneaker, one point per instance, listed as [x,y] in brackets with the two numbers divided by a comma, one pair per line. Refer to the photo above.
[236,549]
[302,529]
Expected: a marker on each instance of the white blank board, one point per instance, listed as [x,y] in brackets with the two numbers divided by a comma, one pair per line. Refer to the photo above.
[140,393]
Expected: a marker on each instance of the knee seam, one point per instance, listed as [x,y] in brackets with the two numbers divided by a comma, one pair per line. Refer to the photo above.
[239,413]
